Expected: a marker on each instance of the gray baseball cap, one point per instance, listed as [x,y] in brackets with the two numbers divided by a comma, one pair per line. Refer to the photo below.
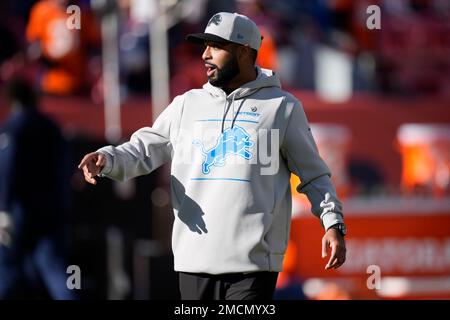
[229,27]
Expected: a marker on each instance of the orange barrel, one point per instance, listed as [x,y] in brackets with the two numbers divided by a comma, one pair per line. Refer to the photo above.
[425,151]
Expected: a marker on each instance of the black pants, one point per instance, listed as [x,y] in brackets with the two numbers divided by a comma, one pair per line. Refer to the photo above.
[231,286]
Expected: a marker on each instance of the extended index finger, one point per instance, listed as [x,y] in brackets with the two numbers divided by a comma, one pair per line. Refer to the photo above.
[333,257]
[84,161]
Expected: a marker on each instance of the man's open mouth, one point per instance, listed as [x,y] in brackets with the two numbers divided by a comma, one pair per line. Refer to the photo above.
[210,69]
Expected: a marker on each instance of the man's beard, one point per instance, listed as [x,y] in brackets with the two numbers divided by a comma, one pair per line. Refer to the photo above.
[227,73]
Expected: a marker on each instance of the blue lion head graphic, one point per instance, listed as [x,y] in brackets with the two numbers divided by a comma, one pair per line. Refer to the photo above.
[235,140]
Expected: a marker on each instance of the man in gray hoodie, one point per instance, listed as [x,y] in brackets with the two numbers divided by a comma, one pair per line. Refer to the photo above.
[232,201]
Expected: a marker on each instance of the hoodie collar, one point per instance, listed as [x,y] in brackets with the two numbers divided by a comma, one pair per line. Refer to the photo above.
[264,78]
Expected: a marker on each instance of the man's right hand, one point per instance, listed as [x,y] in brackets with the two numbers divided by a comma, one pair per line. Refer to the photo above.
[92,164]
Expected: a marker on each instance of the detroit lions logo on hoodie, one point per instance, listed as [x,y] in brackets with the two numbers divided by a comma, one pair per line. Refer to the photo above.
[235,140]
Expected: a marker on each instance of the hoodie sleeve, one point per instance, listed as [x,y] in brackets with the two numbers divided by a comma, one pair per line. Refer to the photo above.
[148,148]
[302,157]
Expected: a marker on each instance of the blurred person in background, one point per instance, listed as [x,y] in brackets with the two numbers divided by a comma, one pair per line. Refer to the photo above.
[63,51]
[232,221]
[33,200]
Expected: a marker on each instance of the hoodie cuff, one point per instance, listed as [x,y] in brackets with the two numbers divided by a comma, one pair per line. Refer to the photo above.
[330,219]
[108,166]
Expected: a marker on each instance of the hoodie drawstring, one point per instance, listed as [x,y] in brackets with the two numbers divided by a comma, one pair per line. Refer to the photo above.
[225,112]
[237,112]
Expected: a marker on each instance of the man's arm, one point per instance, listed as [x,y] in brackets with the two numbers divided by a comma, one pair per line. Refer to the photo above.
[147,149]
[303,159]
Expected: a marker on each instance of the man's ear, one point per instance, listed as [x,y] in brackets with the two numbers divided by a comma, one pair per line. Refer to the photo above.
[244,51]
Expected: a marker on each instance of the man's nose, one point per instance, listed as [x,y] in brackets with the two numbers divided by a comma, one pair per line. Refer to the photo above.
[206,54]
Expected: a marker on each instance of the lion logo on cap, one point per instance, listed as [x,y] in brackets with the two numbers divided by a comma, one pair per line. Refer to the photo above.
[216,19]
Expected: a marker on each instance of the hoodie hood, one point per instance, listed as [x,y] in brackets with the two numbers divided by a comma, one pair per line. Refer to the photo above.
[265,78]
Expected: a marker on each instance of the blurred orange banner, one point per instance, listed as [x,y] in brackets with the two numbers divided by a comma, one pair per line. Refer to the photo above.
[404,243]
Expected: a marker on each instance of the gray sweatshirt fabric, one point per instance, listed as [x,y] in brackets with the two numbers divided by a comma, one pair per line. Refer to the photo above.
[231,158]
